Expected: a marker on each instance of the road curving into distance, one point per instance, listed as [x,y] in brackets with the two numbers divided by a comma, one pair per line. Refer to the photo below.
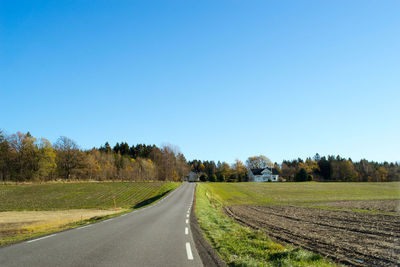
[158,235]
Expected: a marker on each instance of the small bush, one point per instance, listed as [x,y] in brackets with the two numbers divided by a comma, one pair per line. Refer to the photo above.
[203,177]
[221,178]
[213,178]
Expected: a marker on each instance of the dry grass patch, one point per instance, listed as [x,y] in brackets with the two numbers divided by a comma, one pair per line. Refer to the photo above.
[14,224]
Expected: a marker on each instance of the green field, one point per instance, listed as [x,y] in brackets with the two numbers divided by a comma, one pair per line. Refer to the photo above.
[300,193]
[91,195]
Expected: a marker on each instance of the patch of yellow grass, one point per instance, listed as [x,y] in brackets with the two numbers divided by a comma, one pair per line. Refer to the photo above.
[13,223]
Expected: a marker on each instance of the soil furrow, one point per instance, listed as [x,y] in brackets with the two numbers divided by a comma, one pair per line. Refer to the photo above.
[351,238]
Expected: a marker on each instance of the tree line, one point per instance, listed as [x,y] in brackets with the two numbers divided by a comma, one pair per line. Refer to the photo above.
[26,158]
[317,168]
[338,169]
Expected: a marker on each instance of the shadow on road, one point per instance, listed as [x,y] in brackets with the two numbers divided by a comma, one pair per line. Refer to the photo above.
[150,200]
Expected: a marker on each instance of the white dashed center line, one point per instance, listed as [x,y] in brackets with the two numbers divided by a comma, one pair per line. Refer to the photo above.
[186,231]
[187,220]
[189,251]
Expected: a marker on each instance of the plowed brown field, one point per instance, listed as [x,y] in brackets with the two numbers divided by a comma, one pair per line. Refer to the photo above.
[355,238]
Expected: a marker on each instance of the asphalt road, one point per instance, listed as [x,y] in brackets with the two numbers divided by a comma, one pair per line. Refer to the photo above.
[158,235]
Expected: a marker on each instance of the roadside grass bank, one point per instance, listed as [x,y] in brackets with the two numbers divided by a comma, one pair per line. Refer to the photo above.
[241,246]
[47,208]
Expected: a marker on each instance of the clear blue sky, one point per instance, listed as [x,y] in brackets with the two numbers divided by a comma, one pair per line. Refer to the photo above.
[220,79]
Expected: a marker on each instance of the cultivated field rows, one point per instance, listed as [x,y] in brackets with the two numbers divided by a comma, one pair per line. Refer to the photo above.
[354,238]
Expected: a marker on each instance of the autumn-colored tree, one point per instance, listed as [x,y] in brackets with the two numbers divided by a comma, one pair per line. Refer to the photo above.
[47,161]
[240,170]
[24,156]
[223,169]
[258,162]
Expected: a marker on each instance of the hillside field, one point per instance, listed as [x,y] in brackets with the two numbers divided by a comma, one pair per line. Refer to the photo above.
[350,223]
[31,210]
[89,195]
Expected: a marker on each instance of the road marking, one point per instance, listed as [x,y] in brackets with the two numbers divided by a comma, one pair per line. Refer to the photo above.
[186,230]
[189,251]
[37,239]
[187,220]
[187,215]
[124,215]
[85,226]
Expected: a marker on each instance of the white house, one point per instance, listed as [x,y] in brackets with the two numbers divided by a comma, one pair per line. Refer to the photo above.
[193,177]
[263,175]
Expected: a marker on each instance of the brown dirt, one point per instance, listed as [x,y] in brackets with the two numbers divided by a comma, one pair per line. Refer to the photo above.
[371,205]
[354,238]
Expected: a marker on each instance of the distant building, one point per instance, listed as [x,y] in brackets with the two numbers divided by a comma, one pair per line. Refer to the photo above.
[193,177]
[263,175]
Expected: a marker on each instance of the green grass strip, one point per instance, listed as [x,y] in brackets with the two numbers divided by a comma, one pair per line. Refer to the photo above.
[242,246]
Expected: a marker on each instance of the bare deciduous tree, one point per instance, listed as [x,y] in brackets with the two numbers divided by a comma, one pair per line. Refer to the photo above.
[68,156]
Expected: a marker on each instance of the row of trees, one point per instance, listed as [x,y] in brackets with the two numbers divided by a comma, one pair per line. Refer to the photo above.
[331,168]
[336,168]
[26,158]
[220,171]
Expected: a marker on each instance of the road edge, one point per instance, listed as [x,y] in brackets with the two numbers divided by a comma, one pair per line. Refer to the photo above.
[207,253]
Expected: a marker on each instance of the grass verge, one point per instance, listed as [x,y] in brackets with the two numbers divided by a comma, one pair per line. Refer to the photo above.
[241,246]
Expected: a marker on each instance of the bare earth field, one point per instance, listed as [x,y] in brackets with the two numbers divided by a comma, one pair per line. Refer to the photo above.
[372,205]
[348,237]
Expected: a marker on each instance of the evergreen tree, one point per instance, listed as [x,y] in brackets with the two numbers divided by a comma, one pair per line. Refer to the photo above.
[301,176]
[116,148]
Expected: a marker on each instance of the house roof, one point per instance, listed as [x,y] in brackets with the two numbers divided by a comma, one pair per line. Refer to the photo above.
[259,171]
[275,171]
[256,171]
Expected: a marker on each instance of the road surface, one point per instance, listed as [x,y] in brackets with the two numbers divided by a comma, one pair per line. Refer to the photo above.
[158,235]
